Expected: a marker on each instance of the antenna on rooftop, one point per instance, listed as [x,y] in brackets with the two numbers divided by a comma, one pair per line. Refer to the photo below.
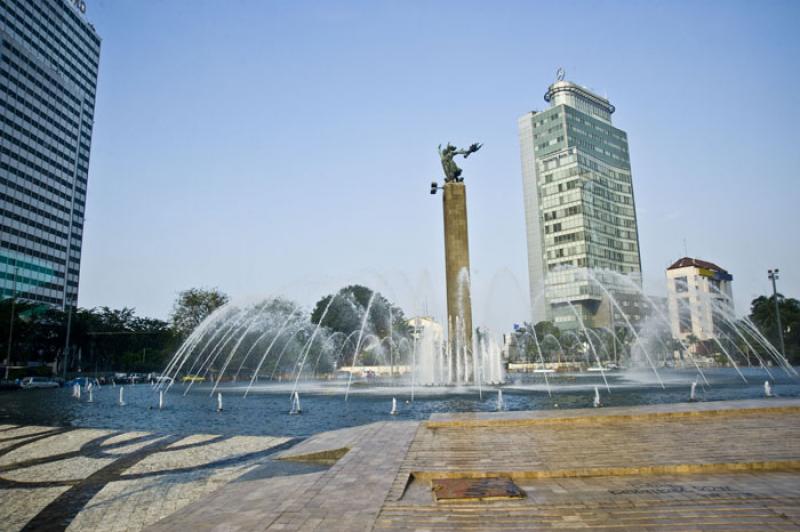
[560,74]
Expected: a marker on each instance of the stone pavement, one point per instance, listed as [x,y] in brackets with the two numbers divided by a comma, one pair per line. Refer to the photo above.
[733,465]
[346,497]
[701,466]
[87,479]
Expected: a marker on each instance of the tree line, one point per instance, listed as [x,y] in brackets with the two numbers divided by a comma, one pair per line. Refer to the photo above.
[38,339]
[104,340]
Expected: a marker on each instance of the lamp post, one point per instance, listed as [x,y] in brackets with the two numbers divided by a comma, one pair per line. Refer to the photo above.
[773,276]
[11,323]
[66,340]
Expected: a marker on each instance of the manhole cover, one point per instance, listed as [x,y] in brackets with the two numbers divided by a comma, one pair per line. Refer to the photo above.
[475,489]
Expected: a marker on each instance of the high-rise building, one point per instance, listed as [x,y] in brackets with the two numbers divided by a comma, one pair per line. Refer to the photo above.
[700,299]
[579,211]
[49,55]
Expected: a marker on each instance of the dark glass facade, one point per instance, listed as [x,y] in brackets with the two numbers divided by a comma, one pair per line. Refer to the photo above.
[49,55]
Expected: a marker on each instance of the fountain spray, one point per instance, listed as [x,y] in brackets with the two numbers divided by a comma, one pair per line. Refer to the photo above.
[394,406]
[596,403]
[121,396]
[219,401]
[295,409]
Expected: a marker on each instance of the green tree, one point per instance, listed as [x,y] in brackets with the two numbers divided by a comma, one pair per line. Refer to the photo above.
[346,314]
[101,339]
[37,332]
[762,314]
[193,306]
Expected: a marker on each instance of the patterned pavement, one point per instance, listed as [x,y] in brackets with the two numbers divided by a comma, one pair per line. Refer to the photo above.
[701,466]
[87,479]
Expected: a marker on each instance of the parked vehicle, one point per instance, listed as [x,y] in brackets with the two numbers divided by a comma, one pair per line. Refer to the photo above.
[38,382]
[83,381]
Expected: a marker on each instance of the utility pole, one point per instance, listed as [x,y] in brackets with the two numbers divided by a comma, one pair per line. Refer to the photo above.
[773,276]
[11,324]
[66,340]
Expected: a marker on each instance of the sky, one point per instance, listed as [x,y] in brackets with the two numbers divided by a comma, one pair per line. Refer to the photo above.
[286,148]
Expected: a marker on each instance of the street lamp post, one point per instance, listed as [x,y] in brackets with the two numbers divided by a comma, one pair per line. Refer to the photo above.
[66,340]
[773,276]
[11,323]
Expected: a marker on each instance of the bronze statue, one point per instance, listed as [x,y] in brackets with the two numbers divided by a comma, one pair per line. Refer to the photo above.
[452,172]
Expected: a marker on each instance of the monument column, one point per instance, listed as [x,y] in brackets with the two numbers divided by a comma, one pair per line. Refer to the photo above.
[459,303]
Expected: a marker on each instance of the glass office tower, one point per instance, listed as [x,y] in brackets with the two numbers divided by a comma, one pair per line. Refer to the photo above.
[49,57]
[579,211]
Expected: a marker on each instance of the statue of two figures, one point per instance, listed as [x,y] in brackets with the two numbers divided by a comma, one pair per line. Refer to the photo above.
[452,173]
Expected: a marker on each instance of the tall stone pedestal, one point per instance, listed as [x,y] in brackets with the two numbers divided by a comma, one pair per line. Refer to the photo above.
[459,302]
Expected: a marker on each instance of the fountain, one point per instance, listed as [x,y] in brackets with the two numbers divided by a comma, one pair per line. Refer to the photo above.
[271,345]
[121,396]
[295,408]
[219,401]
[91,397]
[501,405]
[161,399]
[768,389]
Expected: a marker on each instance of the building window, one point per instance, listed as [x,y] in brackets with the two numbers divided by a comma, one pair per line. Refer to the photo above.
[684,316]
[681,284]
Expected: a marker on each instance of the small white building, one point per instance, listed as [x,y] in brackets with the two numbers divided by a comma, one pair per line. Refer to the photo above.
[698,296]
[425,326]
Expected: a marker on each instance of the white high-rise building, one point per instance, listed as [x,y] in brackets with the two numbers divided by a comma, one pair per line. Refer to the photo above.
[579,211]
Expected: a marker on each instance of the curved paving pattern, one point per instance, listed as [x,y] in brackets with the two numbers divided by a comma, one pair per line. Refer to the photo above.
[86,479]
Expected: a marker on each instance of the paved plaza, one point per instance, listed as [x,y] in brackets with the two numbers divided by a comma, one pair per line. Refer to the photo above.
[86,479]
[701,466]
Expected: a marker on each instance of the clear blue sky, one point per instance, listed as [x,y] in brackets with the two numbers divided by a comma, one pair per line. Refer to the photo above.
[287,147]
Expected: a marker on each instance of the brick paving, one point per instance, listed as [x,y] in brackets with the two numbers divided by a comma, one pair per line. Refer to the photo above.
[612,469]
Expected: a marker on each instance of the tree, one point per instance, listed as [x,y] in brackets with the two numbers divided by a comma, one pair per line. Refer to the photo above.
[762,314]
[543,328]
[193,306]
[101,339]
[38,332]
[345,314]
